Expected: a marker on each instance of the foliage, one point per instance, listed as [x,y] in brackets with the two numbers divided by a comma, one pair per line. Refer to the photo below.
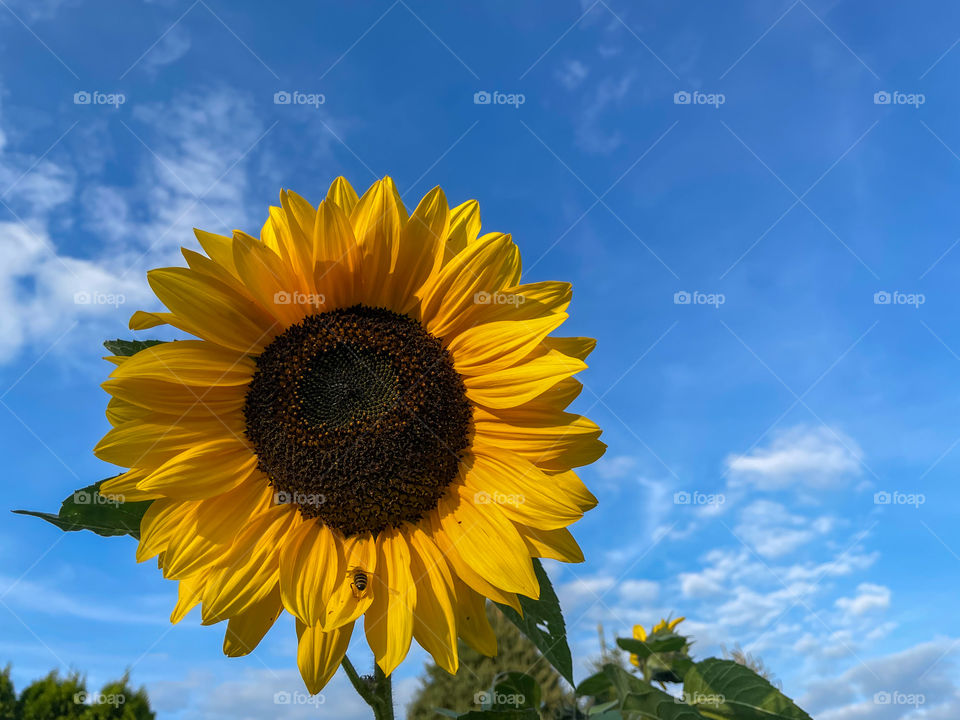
[66,698]
[460,692]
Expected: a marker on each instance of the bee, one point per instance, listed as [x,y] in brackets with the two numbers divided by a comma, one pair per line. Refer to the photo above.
[358,582]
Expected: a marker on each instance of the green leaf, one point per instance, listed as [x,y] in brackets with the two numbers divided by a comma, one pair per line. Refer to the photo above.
[657,644]
[542,622]
[515,690]
[725,690]
[640,701]
[594,685]
[87,509]
[126,348]
[524,714]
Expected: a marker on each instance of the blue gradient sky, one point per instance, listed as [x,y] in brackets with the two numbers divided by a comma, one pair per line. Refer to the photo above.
[798,398]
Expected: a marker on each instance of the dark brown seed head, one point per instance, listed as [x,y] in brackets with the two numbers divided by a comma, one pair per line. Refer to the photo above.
[359,417]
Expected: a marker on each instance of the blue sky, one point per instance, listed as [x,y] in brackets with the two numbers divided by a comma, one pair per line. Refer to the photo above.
[787,201]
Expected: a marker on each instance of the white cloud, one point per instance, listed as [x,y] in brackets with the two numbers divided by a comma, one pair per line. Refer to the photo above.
[572,74]
[925,670]
[772,531]
[47,289]
[801,456]
[869,598]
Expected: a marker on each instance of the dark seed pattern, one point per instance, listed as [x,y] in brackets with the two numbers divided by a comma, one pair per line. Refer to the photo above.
[363,409]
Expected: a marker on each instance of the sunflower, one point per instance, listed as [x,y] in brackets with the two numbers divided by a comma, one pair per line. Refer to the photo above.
[369,420]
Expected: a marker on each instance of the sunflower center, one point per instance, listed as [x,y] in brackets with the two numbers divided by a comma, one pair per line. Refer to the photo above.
[359,417]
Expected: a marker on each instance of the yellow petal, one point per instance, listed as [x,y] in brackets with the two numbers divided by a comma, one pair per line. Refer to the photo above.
[250,571]
[521,383]
[320,653]
[125,486]
[434,615]
[141,320]
[139,444]
[188,595]
[159,523]
[342,193]
[499,345]
[472,623]
[311,566]
[188,362]
[300,218]
[572,487]
[555,544]
[206,469]
[218,248]
[211,310]
[464,226]
[338,259]
[578,347]
[463,570]
[347,603]
[178,400]
[488,542]
[272,282]
[551,440]
[388,623]
[506,481]
[421,250]
[483,268]
[245,630]
[378,221]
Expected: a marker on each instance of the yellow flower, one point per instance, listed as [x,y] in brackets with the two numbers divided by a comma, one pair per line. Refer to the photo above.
[370,423]
[664,626]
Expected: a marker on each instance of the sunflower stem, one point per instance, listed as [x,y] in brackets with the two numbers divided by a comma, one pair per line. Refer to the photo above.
[376,690]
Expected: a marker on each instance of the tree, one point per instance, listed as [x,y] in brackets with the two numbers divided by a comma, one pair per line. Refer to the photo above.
[440,689]
[118,701]
[8,696]
[53,698]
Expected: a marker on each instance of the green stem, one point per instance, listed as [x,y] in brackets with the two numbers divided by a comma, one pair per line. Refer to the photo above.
[376,691]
